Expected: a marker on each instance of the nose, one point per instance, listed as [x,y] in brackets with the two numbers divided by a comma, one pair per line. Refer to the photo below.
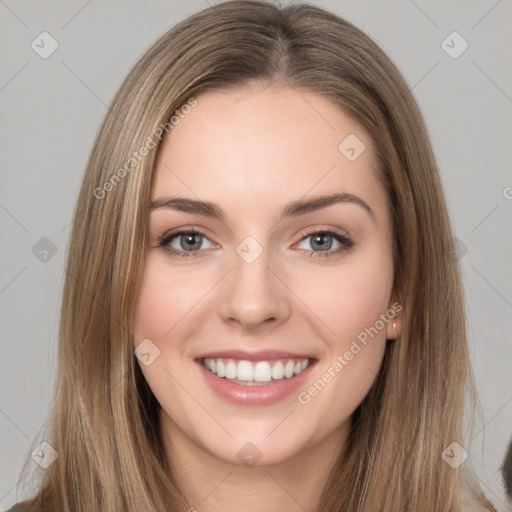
[253,294]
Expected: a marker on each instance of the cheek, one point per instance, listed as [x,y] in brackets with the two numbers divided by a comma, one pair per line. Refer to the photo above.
[166,297]
[352,304]
[348,299]
[352,301]
[154,307]
[167,303]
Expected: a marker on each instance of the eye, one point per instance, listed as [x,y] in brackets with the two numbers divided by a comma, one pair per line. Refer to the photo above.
[323,240]
[189,242]
[183,243]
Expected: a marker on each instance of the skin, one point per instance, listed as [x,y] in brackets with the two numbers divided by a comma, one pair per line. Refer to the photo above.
[251,151]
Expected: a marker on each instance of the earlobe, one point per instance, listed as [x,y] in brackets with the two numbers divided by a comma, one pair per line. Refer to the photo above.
[394,325]
[393,330]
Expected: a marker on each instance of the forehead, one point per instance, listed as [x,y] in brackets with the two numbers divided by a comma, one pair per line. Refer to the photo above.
[256,146]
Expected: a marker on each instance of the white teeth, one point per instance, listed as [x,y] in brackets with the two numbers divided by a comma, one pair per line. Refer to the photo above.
[260,371]
[244,371]
[221,369]
[288,370]
[278,371]
[230,370]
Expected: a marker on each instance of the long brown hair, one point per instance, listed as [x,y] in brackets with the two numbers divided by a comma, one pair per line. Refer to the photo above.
[104,420]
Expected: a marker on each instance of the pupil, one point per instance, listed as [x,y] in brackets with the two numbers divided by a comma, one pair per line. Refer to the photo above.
[320,240]
[190,240]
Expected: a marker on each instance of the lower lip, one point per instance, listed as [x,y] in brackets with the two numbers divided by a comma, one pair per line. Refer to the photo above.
[265,394]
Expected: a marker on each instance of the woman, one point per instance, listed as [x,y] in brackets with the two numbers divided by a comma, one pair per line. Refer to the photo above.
[213,354]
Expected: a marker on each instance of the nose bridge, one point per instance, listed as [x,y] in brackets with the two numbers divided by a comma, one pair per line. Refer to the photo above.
[252,294]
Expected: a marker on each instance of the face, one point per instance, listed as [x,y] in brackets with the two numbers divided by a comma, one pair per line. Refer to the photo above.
[286,301]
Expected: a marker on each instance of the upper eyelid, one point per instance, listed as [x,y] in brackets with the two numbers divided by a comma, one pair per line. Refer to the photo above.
[171,235]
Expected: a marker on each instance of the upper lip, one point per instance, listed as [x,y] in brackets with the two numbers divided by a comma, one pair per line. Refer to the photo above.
[260,355]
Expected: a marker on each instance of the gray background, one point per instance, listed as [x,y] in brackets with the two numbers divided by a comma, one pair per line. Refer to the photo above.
[51,109]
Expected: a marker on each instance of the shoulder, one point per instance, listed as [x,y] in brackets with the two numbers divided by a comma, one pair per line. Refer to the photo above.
[16,508]
[475,501]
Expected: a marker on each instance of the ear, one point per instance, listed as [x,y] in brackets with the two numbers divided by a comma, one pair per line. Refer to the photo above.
[394,325]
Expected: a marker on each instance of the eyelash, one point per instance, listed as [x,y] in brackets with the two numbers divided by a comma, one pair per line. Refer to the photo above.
[165,240]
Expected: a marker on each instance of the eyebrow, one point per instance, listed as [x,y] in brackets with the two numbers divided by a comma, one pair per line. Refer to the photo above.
[292,209]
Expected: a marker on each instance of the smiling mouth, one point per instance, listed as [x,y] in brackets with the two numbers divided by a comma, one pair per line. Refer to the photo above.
[256,373]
